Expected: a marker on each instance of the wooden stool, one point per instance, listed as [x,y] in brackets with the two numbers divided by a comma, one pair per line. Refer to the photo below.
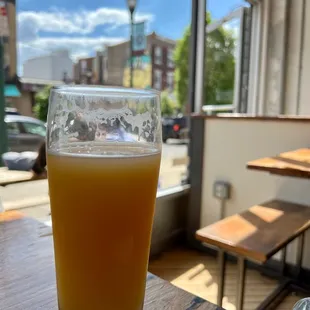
[257,234]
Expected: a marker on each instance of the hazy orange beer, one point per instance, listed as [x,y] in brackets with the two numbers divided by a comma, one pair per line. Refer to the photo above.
[102,200]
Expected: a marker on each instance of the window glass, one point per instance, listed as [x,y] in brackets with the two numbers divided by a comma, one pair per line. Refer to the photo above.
[158,79]
[12,128]
[158,55]
[170,81]
[170,62]
[35,129]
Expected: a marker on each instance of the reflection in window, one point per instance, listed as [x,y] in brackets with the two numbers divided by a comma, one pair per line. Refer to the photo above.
[12,128]
[35,129]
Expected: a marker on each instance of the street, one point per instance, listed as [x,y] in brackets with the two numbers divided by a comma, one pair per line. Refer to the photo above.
[33,199]
[174,148]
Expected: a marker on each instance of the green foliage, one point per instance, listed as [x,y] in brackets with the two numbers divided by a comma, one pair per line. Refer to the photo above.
[219,66]
[41,106]
[168,106]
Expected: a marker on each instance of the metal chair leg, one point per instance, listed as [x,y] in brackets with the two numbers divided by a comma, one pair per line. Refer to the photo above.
[300,252]
[283,261]
[241,282]
[221,278]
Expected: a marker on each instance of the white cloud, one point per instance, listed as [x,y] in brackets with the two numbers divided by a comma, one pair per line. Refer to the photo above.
[44,31]
[82,22]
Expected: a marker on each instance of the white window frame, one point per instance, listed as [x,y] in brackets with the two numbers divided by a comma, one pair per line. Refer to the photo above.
[255,90]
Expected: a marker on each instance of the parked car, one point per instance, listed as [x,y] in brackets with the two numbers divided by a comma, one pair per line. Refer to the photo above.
[174,128]
[24,133]
[11,111]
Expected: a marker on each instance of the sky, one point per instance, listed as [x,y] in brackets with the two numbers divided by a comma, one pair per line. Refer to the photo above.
[83,26]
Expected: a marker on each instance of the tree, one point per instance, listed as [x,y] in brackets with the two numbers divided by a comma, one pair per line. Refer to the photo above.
[219,66]
[168,106]
[41,106]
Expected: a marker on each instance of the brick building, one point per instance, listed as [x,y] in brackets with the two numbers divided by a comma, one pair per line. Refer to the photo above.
[90,70]
[112,66]
[159,49]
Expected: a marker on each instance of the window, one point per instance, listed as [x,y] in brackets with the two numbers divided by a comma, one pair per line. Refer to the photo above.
[158,55]
[83,66]
[35,129]
[12,128]
[170,81]
[227,50]
[170,63]
[105,69]
[157,79]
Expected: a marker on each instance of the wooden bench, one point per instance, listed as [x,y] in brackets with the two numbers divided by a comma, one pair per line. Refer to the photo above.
[257,234]
[294,164]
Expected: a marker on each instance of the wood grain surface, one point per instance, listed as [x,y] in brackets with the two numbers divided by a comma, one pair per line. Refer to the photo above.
[8,177]
[27,274]
[295,164]
[259,232]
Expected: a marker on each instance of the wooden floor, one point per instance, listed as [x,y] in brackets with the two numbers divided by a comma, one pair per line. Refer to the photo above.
[197,273]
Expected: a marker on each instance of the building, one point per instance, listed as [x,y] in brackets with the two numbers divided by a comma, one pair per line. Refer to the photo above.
[90,70]
[9,42]
[8,35]
[28,88]
[56,66]
[155,68]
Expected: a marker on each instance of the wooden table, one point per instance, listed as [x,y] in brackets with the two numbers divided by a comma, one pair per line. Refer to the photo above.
[294,163]
[8,177]
[27,275]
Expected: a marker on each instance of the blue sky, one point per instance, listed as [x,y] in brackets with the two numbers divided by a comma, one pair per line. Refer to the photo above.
[82,26]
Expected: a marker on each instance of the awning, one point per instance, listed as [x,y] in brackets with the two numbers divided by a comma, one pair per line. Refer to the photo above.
[11,91]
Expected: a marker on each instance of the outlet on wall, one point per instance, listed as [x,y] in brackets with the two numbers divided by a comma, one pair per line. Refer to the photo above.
[221,190]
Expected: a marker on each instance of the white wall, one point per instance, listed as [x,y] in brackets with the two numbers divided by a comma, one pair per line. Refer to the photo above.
[61,64]
[49,67]
[284,60]
[38,68]
[230,144]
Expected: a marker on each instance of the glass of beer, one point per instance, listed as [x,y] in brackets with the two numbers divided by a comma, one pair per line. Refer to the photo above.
[103,156]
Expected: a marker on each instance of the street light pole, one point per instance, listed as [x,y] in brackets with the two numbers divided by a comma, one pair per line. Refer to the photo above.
[131,49]
[3,132]
[131,7]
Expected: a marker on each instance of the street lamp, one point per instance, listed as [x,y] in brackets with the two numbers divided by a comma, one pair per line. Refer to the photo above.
[131,6]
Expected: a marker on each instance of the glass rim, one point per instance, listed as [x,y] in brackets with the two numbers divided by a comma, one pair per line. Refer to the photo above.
[101,90]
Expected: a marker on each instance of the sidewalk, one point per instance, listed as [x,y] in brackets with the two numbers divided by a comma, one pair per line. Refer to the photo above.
[32,197]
